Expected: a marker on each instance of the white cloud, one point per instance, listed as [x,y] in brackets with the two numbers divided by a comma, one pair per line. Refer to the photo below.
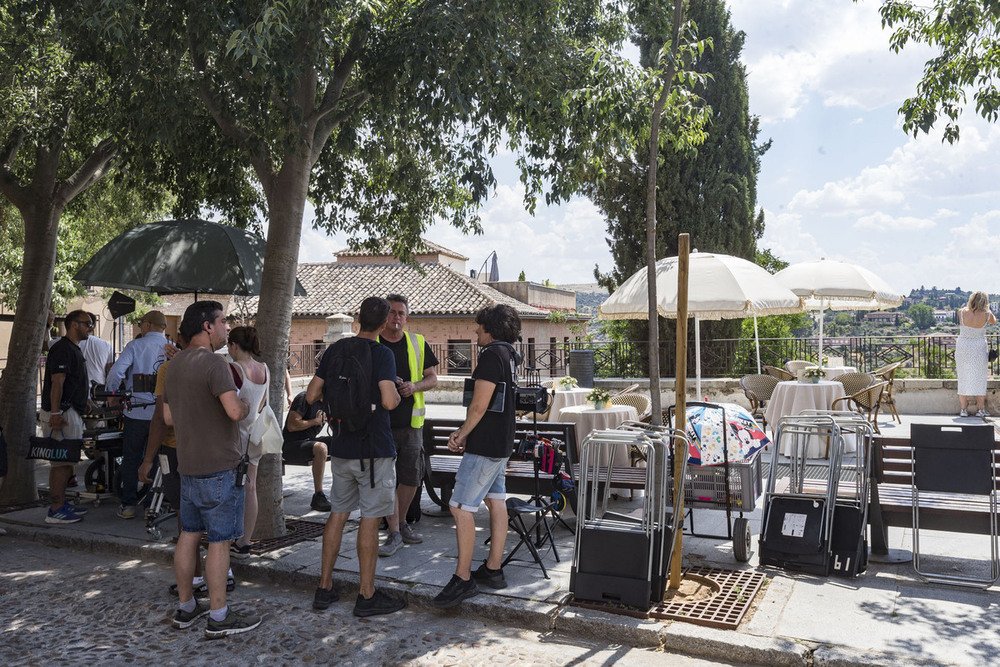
[883,222]
[832,50]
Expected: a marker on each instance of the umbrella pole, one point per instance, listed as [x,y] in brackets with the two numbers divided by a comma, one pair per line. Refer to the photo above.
[680,393]
[697,360]
[822,316]
[756,340]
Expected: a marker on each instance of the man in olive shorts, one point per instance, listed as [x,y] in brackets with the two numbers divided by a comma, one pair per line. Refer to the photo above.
[361,464]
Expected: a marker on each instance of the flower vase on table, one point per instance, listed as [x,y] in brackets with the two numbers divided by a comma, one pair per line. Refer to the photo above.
[599,398]
[813,375]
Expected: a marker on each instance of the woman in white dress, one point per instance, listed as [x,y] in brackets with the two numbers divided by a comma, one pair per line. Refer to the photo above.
[244,346]
[971,351]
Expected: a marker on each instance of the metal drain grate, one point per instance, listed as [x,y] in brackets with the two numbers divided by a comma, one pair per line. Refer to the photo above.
[724,610]
[298,531]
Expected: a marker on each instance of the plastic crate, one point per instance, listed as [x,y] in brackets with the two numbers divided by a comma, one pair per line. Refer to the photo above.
[706,485]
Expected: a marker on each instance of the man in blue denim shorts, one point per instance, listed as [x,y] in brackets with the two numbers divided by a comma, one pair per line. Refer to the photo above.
[486,440]
[201,403]
[362,465]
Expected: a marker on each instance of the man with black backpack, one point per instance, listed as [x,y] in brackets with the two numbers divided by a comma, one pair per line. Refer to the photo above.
[356,381]
[486,440]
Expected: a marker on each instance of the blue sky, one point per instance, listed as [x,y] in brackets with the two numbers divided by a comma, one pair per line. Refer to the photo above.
[841,180]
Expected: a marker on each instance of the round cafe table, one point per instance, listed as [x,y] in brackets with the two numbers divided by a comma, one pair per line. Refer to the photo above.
[831,372]
[792,397]
[564,398]
[588,419]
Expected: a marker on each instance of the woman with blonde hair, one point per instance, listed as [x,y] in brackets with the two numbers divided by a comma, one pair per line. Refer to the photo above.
[244,347]
[971,352]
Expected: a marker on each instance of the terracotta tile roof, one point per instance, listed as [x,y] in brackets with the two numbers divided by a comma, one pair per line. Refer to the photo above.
[332,287]
[425,247]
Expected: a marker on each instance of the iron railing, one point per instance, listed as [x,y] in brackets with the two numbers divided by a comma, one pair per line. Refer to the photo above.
[921,356]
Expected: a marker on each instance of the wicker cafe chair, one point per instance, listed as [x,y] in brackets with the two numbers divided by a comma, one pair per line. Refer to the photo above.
[779,373]
[758,389]
[637,401]
[865,401]
[888,373]
[796,365]
[855,382]
[627,390]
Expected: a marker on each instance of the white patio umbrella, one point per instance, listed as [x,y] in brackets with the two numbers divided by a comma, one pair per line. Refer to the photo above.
[827,283]
[720,287]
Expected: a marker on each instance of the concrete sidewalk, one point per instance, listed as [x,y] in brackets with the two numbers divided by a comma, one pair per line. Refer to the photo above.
[886,616]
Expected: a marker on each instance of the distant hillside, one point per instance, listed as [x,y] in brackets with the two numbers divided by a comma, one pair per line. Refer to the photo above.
[588,296]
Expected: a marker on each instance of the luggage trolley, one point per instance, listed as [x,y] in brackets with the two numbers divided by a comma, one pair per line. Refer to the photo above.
[818,524]
[623,558]
[734,486]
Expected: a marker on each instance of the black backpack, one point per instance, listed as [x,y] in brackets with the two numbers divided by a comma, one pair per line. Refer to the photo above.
[347,385]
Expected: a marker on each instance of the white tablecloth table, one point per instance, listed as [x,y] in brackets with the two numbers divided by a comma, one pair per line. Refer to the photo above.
[564,398]
[588,419]
[792,397]
[831,372]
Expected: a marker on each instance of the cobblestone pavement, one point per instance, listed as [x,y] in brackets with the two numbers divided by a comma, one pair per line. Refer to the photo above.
[67,607]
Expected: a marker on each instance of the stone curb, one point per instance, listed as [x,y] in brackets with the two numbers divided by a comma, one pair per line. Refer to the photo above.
[538,616]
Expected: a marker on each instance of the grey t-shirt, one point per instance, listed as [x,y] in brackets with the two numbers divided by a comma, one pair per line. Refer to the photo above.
[207,439]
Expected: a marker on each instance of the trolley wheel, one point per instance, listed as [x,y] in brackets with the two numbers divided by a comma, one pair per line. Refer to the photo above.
[560,500]
[741,539]
[155,533]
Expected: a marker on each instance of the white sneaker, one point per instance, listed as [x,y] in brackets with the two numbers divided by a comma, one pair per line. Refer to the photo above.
[963,413]
[982,413]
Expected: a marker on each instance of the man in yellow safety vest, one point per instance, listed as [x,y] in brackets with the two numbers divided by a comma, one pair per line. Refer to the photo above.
[415,370]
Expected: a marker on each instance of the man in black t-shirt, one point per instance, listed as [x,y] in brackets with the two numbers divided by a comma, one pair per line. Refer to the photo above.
[302,444]
[65,390]
[486,440]
[415,374]
[362,465]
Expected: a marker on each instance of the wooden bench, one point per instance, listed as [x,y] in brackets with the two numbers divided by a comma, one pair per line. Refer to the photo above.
[892,500]
[442,463]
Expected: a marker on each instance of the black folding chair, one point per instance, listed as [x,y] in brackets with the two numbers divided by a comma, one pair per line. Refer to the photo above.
[957,461]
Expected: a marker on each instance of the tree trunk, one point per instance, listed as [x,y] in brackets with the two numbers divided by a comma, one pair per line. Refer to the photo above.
[18,402]
[286,198]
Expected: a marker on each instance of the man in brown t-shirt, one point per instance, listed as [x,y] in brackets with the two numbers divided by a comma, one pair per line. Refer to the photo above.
[202,405]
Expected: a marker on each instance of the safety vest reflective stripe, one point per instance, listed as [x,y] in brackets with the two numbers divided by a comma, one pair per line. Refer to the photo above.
[414,354]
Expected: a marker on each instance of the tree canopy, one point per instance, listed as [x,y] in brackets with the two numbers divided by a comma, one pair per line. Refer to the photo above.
[966,36]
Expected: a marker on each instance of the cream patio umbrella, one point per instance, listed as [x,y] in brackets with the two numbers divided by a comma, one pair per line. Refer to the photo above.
[720,287]
[827,283]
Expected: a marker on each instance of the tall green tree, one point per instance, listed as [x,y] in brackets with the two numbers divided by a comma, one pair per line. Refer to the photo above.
[382,114]
[708,191]
[922,315]
[966,37]
[54,145]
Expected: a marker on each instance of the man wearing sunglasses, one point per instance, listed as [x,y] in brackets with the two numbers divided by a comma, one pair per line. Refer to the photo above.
[65,388]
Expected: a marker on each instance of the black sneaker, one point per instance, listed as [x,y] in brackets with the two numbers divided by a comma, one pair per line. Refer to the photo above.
[320,502]
[185,619]
[456,591]
[233,624]
[489,578]
[324,597]
[377,604]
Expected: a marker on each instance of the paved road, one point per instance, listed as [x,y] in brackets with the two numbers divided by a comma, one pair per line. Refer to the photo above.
[68,607]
